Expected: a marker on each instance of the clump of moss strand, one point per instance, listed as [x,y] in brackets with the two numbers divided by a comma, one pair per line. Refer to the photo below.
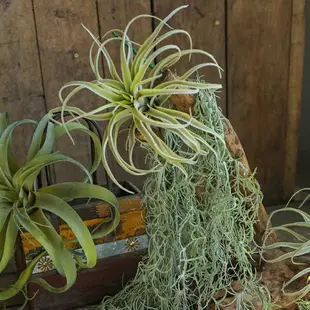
[199,240]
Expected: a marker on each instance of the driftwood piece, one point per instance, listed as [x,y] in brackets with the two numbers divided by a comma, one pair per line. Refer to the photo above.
[234,146]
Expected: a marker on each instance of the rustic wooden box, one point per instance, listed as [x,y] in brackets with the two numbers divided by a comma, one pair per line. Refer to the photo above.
[119,254]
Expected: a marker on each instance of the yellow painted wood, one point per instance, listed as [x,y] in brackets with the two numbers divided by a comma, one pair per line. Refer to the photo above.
[131,224]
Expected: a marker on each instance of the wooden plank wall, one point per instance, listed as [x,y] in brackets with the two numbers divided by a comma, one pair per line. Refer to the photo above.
[258,61]
[63,47]
[205,21]
[265,45]
[258,44]
[21,89]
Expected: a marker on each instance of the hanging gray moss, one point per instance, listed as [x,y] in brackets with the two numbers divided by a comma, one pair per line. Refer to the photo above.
[200,229]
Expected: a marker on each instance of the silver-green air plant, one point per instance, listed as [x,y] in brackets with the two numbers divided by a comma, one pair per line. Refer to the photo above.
[23,206]
[139,95]
[294,238]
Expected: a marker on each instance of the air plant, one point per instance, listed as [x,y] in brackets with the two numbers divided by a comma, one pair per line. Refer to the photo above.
[140,96]
[295,249]
[23,206]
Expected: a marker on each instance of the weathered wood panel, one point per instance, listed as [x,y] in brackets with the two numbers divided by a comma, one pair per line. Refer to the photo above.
[302,173]
[64,47]
[258,52]
[264,47]
[21,92]
[297,50]
[205,22]
[115,14]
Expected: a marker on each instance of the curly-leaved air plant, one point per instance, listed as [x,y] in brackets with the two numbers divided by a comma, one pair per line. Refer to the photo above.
[138,95]
[294,238]
[23,206]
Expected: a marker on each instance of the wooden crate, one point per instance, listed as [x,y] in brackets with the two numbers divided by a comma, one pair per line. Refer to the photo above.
[118,256]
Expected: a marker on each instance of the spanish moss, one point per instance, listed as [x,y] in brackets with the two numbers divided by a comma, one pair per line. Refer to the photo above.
[303,305]
[200,228]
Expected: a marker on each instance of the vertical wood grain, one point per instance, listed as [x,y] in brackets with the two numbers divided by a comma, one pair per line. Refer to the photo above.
[258,47]
[205,21]
[116,14]
[297,50]
[64,47]
[21,92]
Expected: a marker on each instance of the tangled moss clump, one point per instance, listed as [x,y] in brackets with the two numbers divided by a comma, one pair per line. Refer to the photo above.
[303,304]
[199,243]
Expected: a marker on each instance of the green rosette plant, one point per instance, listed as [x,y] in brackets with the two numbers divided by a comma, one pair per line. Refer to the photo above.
[24,207]
[139,95]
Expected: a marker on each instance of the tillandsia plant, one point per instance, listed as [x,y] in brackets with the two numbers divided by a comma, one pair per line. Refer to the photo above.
[23,206]
[295,240]
[139,95]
